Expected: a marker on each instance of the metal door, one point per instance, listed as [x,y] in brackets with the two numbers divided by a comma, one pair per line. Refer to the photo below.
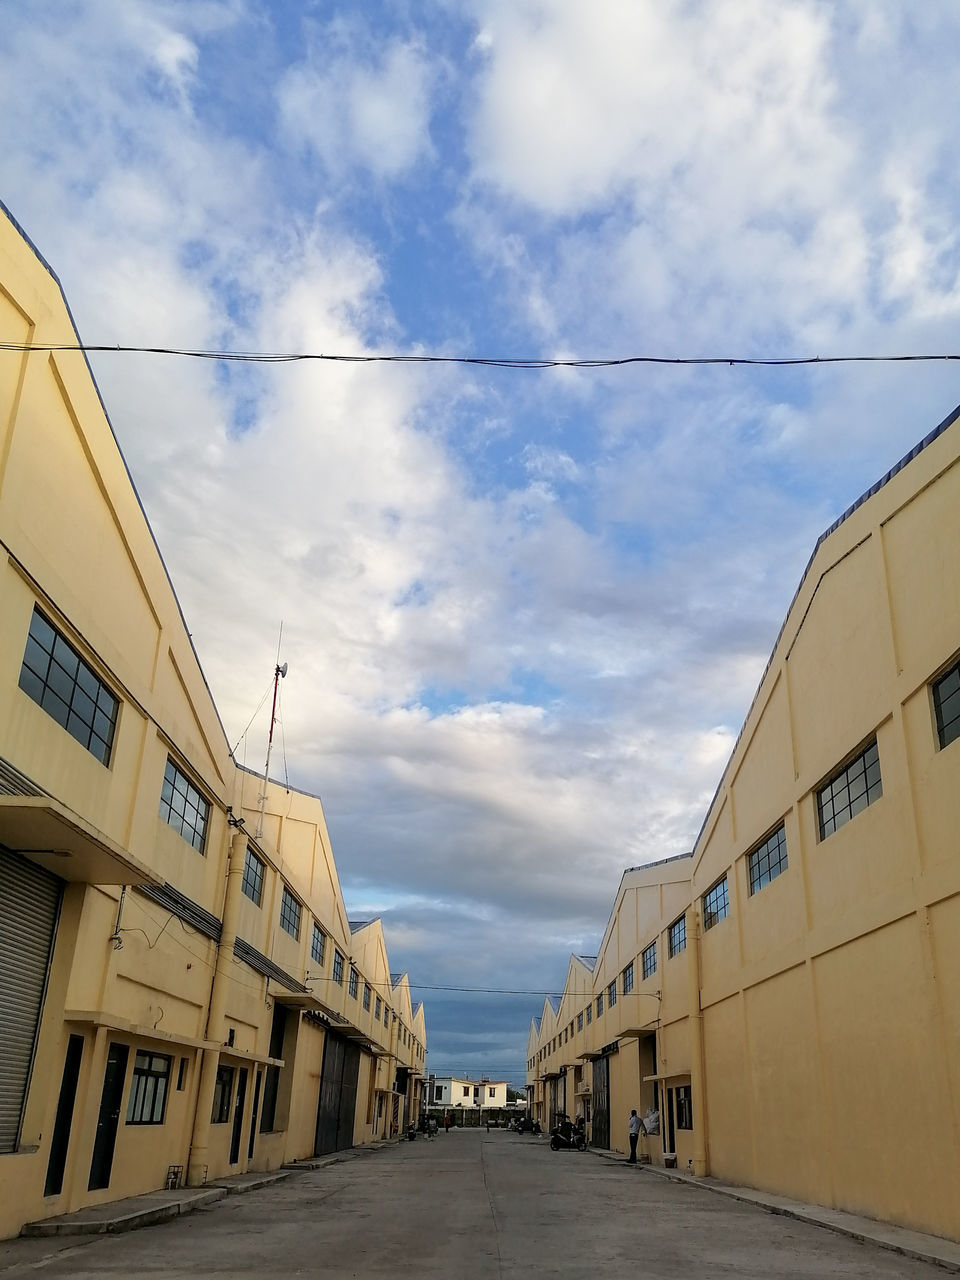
[110,1100]
[600,1135]
[337,1104]
[59,1143]
[253,1116]
[238,1116]
[29,907]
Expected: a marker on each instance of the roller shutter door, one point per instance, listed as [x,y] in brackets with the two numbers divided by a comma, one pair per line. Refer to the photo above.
[29,906]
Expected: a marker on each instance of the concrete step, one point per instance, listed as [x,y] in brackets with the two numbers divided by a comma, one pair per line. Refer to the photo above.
[125,1215]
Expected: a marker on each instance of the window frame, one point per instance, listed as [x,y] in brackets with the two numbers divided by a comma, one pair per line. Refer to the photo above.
[677,936]
[627,978]
[74,683]
[291,914]
[254,875]
[757,877]
[318,953]
[611,993]
[683,1103]
[648,970]
[193,795]
[222,1094]
[339,960]
[873,790]
[600,1005]
[367,992]
[142,1096]
[718,897]
[589,1012]
[353,983]
[951,726]
[580,1021]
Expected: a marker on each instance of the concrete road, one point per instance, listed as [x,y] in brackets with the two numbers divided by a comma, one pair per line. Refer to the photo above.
[473,1206]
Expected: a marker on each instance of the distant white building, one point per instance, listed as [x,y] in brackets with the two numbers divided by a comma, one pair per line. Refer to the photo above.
[452,1091]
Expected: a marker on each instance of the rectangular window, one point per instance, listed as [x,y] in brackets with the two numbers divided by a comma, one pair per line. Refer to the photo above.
[579,1021]
[353,985]
[855,786]
[589,1014]
[716,904]
[684,1107]
[222,1095]
[648,960]
[628,979]
[182,1075]
[289,914]
[318,944]
[491,1093]
[338,963]
[466,1091]
[438,1093]
[54,675]
[182,805]
[768,859]
[946,702]
[612,994]
[677,937]
[148,1092]
[386,1016]
[252,885]
[376,1009]
[366,995]
[599,1004]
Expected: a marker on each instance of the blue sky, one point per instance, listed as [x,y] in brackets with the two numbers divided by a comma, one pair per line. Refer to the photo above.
[524,612]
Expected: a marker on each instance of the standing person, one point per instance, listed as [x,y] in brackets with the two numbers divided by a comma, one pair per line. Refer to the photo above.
[635,1126]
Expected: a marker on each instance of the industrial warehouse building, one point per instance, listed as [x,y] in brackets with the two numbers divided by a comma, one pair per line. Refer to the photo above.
[182,995]
[787,996]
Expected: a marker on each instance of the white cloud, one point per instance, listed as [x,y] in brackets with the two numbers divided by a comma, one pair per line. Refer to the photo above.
[367,108]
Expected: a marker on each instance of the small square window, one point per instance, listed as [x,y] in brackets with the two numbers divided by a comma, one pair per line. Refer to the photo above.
[716,904]
[55,676]
[767,860]
[253,871]
[648,960]
[677,937]
[183,807]
[290,913]
[946,703]
[850,790]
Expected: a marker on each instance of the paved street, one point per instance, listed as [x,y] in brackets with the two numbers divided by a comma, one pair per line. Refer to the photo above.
[469,1205]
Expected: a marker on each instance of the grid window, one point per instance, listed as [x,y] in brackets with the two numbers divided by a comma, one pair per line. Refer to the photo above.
[338,968]
[366,995]
[222,1095]
[376,1009]
[252,885]
[54,675]
[318,944]
[386,1016]
[612,994]
[589,1014]
[182,805]
[353,986]
[290,913]
[716,904]
[852,789]
[677,936]
[599,1004]
[579,1021]
[946,702]
[648,960]
[628,979]
[768,859]
[148,1092]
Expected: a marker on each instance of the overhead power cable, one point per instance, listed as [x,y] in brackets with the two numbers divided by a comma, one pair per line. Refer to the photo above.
[494,362]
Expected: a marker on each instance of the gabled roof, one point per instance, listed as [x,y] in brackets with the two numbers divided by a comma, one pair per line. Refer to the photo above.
[357,925]
[588,962]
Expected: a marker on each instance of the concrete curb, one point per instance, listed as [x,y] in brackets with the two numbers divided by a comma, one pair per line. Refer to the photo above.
[95,1222]
[909,1244]
[250,1181]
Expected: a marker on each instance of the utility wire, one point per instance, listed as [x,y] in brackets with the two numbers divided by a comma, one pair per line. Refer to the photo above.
[495,362]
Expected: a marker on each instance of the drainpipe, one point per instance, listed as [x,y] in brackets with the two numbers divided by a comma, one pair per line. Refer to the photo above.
[200,1141]
[697,1071]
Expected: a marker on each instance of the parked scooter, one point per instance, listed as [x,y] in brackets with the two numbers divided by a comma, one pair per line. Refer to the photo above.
[567,1136]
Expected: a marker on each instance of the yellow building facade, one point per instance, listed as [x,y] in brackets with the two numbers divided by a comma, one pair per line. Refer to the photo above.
[787,996]
[182,994]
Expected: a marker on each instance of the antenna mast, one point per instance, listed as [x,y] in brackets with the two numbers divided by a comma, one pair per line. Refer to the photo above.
[279,674]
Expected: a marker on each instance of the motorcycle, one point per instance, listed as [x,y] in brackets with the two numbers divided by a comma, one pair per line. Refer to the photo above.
[567,1136]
